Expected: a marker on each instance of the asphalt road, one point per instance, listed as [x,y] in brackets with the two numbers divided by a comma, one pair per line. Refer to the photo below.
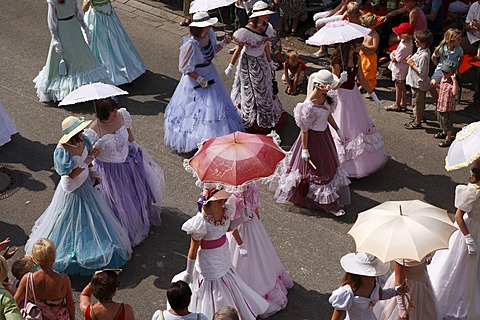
[309,243]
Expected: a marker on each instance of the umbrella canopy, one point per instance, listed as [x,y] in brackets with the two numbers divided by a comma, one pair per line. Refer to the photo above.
[235,160]
[402,230]
[337,32]
[465,149]
[207,5]
[92,91]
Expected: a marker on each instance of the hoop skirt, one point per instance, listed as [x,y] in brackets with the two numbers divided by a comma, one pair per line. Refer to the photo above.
[454,273]
[197,114]
[85,231]
[111,45]
[261,268]
[362,154]
[7,127]
[82,67]
[215,282]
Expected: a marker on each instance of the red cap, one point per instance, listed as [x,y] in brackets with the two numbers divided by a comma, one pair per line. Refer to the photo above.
[404,28]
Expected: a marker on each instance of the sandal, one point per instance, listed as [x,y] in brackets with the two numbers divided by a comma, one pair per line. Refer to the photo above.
[440,135]
[393,107]
[413,125]
[445,143]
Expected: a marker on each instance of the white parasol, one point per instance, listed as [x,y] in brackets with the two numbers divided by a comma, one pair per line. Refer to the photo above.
[92,91]
[337,32]
[465,149]
[207,5]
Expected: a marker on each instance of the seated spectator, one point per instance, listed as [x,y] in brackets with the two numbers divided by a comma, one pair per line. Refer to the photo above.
[21,267]
[226,313]
[294,72]
[353,13]
[104,286]
[471,43]
[178,296]
[291,10]
[8,307]
[53,290]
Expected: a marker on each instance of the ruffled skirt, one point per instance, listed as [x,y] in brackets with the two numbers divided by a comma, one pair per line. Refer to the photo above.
[327,184]
[252,93]
[129,194]
[112,47]
[261,268]
[7,127]
[85,231]
[362,154]
[194,115]
[82,66]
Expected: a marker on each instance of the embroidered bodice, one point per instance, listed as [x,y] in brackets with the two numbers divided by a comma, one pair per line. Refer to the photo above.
[253,43]
[309,116]
[193,54]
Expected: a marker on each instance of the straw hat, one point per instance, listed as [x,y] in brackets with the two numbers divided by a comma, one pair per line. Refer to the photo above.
[215,194]
[71,126]
[363,264]
[202,19]
[260,8]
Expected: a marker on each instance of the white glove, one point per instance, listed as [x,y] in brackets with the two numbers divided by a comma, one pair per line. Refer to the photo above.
[471,245]
[378,103]
[341,136]
[87,36]
[229,70]
[225,41]
[402,310]
[343,77]
[189,271]
[134,144]
[273,67]
[58,47]
[305,154]
[202,82]
[242,250]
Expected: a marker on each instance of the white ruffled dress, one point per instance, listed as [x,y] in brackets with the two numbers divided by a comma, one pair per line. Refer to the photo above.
[356,307]
[215,283]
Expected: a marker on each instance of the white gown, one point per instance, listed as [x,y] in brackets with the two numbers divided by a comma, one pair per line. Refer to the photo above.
[356,307]
[453,272]
[7,127]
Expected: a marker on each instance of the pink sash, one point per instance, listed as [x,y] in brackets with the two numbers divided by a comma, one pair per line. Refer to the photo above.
[212,244]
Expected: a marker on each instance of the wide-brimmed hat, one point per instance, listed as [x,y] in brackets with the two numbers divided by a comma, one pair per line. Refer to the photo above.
[403,28]
[363,264]
[202,19]
[214,195]
[449,66]
[71,126]
[260,8]
[325,78]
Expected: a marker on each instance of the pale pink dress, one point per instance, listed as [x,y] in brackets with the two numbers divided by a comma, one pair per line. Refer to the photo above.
[400,67]
[261,268]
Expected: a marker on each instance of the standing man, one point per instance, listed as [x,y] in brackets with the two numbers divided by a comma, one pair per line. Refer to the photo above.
[471,42]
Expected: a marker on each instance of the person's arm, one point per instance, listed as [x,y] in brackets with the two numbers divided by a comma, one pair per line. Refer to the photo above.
[363,82]
[69,298]
[193,250]
[131,138]
[413,17]
[85,298]
[436,7]
[226,40]
[455,88]
[393,13]
[237,237]
[340,9]
[287,77]
[338,314]
[305,140]
[297,78]
[332,122]
[461,223]
[401,299]
[52,23]
[236,54]
[268,52]
[20,293]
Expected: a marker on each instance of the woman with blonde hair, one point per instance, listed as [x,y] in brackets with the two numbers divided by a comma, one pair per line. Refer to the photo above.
[51,291]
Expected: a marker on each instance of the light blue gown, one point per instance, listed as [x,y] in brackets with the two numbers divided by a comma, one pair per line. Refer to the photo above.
[111,45]
[197,114]
[86,233]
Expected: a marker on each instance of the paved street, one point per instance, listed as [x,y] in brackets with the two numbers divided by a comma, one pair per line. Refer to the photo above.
[309,243]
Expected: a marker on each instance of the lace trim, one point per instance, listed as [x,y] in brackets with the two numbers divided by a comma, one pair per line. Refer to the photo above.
[364,142]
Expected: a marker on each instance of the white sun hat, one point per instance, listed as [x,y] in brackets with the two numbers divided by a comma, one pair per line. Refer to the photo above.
[364,264]
[202,19]
[260,8]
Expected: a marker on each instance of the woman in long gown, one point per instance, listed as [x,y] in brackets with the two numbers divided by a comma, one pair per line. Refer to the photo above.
[252,90]
[361,154]
[68,44]
[454,272]
[84,230]
[260,268]
[110,43]
[132,183]
[200,107]
[7,127]
[311,175]
[210,273]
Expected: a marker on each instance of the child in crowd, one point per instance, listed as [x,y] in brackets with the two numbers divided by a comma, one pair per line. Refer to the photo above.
[294,72]
[399,67]
[448,49]
[226,313]
[417,77]
[353,13]
[446,103]
[21,267]
[368,54]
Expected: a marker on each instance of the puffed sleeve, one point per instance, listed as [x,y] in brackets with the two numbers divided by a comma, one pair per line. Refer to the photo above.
[304,115]
[270,32]
[242,36]
[342,298]
[91,135]
[52,21]
[196,226]
[63,161]
[87,142]
[185,61]
[465,196]
[127,118]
